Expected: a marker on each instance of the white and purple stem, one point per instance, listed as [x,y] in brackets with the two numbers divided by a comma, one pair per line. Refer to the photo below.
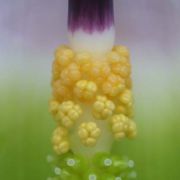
[91,26]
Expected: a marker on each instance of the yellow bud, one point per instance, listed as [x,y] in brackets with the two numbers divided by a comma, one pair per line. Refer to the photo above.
[122,50]
[131,131]
[53,107]
[89,133]
[68,113]
[126,97]
[60,140]
[113,57]
[103,108]
[85,90]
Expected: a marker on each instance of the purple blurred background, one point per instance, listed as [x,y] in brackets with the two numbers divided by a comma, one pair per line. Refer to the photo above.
[30,27]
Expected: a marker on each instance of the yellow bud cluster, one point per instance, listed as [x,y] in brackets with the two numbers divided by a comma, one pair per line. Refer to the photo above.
[85,90]
[126,97]
[68,113]
[61,92]
[83,59]
[103,108]
[56,69]
[105,84]
[132,130]
[113,85]
[122,51]
[119,64]
[122,126]
[53,107]
[70,74]
[89,133]
[64,56]
[60,140]
[100,71]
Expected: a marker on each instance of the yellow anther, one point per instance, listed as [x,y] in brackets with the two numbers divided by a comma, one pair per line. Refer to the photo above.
[82,58]
[60,140]
[131,131]
[64,56]
[60,91]
[113,85]
[56,70]
[130,110]
[119,125]
[100,70]
[71,74]
[68,113]
[103,108]
[121,109]
[85,90]
[89,133]
[113,57]
[126,97]
[122,50]
[122,126]
[53,107]
[122,69]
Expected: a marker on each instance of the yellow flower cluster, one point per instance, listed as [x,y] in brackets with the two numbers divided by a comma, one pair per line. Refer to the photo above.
[70,74]
[53,107]
[60,140]
[64,55]
[89,133]
[68,113]
[101,84]
[85,90]
[122,126]
[100,71]
[113,85]
[83,59]
[103,108]
[126,97]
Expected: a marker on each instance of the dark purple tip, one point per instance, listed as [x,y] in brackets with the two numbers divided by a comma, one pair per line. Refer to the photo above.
[90,15]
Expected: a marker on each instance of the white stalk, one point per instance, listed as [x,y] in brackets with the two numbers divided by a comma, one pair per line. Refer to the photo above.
[97,43]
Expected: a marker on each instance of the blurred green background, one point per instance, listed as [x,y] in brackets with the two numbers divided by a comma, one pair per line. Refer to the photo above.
[29,33]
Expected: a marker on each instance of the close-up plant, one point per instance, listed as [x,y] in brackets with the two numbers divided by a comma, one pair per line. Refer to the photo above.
[89,90]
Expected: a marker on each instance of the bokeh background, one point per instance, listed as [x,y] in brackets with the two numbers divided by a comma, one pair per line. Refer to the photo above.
[30,30]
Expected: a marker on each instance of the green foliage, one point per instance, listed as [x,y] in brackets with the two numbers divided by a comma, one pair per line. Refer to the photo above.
[102,166]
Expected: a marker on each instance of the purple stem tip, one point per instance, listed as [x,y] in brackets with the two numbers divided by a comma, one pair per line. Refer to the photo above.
[90,15]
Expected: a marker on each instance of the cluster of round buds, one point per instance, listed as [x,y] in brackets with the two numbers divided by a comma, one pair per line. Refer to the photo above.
[83,59]
[100,71]
[104,84]
[113,85]
[85,90]
[125,104]
[89,133]
[68,113]
[122,51]
[56,70]
[103,107]
[53,107]
[60,91]
[70,74]
[122,126]
[119,62]
[64,55]
[132,129]
[60,140]
[126,97]
[122,69]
